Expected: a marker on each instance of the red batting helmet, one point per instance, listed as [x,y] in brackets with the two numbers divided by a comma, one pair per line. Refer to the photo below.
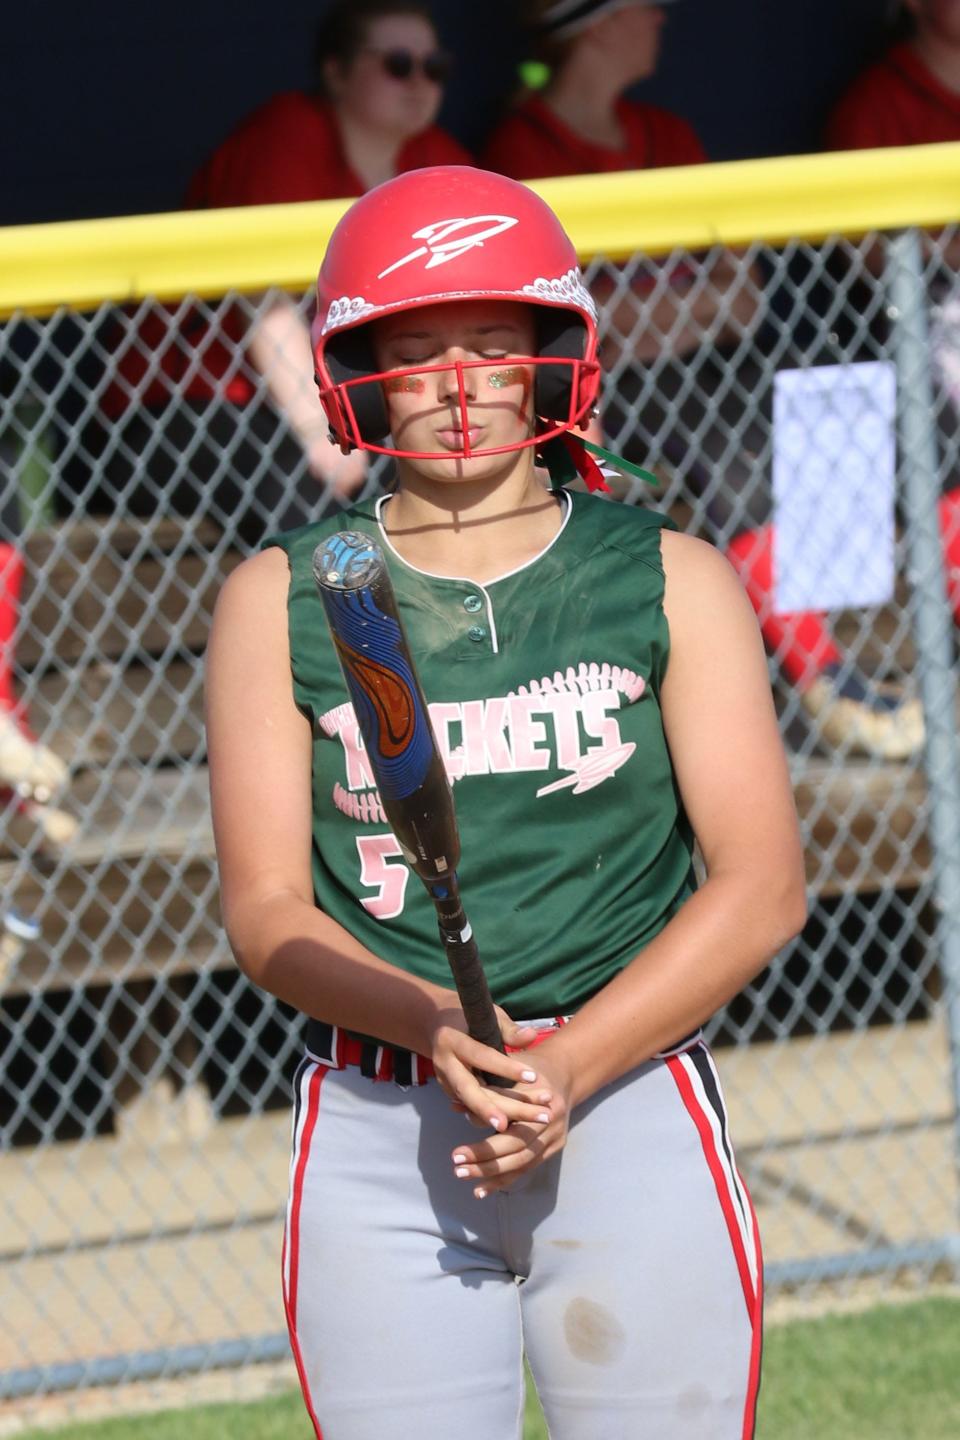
[450,232]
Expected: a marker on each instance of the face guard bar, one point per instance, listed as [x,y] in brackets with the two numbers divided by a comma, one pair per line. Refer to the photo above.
[338,400]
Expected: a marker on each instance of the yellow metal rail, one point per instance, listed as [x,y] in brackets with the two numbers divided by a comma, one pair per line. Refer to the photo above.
[81,263]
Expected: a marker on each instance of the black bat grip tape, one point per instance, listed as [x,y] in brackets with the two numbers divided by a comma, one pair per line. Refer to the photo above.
[463,957]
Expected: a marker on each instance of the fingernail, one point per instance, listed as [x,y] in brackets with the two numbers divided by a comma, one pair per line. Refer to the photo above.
[545,1098]
[544,1118]
[495,1122]
[461,1172]
[459,1159]
[480,1193]
[529,1075]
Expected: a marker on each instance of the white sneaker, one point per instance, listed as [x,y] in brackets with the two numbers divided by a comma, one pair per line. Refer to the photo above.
[27,765]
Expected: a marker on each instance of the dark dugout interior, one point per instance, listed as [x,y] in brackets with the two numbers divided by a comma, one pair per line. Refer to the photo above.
[108,108]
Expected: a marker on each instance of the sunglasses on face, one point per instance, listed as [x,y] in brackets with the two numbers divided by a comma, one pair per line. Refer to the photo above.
[403,64]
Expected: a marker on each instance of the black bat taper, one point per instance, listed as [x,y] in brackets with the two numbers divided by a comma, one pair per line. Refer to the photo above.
[361,608]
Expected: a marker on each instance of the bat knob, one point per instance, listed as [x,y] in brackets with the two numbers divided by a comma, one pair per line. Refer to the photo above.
[347,561]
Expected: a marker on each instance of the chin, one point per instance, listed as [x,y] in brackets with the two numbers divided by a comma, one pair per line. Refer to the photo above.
[413,120]
[477,469]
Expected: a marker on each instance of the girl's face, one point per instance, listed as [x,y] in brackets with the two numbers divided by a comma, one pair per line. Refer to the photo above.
[386,87]
[426,413]
[630,36]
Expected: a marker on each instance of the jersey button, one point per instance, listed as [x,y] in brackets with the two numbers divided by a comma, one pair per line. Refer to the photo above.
[473,603]
[477,632]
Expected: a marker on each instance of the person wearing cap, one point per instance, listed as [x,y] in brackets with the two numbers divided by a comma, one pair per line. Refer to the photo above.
[681,329]
[582,123]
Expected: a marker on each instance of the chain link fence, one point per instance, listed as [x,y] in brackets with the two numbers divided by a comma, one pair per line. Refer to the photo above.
[144,1100]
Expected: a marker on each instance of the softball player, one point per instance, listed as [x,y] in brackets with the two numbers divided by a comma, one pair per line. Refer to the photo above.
[598,688]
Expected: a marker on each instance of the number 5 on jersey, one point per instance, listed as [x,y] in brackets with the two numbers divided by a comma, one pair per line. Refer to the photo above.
[383,868]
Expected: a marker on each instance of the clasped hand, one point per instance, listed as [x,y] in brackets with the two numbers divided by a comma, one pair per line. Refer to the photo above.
[530,1119]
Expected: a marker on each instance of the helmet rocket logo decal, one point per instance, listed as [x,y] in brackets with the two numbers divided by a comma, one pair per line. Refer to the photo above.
[449,239]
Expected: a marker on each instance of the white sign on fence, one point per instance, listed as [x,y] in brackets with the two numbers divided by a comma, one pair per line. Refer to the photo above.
[834,464]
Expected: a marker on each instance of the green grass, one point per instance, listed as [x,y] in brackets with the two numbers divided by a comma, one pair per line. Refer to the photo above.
[891,1373]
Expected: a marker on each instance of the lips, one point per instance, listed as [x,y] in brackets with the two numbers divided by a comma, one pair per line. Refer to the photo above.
[453,437]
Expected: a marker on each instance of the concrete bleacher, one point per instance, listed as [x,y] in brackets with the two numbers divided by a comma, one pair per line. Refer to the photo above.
[116,629]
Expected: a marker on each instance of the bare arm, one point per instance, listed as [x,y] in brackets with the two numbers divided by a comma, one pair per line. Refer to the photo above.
[722,731]
[259,747]
[279,346]
[725,745]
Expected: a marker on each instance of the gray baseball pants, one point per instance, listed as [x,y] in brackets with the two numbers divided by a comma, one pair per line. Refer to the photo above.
[627,1268]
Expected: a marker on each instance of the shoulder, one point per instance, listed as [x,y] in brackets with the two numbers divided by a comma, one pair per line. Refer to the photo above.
[632,530]
[434,146]
[525,112]
[285,113]
[289,108]
[857,119]
[248,634]
[703,595]
[672,139]
[254,163]
[527,124]
[261,579]
[690,563]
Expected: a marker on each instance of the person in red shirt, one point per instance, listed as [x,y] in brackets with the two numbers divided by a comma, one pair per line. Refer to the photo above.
[680,333]
[582,123]
[911,96]
[223,409]
[30,772]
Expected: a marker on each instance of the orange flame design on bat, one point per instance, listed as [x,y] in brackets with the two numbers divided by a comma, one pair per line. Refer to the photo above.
[388,694]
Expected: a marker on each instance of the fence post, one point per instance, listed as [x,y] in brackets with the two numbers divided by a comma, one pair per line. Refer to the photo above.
[919,494]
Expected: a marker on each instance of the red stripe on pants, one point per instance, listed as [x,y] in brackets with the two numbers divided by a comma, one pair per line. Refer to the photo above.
[753,1297]
[756,1345]
[292,1238]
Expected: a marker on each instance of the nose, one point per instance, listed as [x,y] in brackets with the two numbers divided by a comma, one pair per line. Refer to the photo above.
[449,378]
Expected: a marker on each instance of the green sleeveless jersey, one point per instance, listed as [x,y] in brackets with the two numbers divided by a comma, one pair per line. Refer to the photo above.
[543,689]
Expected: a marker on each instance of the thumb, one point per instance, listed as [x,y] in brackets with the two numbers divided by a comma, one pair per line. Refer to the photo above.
[518,1037]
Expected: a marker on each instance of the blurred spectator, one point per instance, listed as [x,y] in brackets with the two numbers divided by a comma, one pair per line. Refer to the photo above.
[232,413]
[911,96]
[582,123]
[27,766]
[703,415]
